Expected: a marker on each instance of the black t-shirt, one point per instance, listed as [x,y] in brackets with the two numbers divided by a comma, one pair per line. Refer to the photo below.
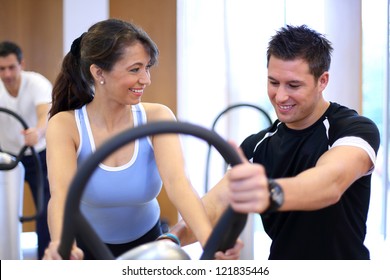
[334,232]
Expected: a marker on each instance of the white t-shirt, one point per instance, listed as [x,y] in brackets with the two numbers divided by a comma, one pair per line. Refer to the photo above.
[34,90]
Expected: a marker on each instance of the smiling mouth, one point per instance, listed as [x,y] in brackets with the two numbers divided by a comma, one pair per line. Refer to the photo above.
[285,107]
[137,91]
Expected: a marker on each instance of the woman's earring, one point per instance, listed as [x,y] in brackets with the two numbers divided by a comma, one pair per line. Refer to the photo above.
[102,82]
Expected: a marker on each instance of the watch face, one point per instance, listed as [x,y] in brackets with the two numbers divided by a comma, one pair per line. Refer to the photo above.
[277,194]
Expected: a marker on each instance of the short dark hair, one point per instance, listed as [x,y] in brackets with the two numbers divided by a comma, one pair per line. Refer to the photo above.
[292,42]
[8,47]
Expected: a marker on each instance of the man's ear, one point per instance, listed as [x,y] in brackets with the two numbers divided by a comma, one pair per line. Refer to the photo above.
[323,80]
[22,64]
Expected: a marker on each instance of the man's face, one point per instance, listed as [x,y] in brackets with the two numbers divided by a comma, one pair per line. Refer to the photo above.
[294,93]
[10,70]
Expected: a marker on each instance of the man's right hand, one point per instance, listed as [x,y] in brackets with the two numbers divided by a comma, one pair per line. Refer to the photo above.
[232,253]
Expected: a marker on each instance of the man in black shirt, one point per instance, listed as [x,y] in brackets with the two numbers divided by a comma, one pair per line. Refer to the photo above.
[309,174]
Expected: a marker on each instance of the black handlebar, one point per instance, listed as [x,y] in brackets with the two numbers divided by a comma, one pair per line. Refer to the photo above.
[13,164]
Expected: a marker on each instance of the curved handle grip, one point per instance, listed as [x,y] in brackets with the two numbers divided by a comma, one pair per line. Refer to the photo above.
[40,194]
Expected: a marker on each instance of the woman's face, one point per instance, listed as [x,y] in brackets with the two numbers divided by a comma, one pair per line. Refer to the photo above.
[129,76]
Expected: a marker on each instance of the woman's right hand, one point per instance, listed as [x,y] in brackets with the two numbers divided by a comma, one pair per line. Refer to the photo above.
[51,252]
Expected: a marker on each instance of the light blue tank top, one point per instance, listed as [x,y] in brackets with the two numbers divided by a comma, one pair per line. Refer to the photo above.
[120,202]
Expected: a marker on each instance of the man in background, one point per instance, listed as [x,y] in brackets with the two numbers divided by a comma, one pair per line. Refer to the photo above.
[28,94]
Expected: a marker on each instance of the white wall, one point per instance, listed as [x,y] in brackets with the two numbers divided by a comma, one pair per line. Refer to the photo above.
[344,29]
[79,15]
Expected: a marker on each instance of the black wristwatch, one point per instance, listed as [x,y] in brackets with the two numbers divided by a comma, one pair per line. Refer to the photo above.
[276,196]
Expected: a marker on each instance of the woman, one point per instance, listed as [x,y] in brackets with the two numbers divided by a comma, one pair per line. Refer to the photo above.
[96,96]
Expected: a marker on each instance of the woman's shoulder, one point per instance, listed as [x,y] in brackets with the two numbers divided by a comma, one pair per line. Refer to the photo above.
[63,119]
[63,115]
[62,130]
[158,112]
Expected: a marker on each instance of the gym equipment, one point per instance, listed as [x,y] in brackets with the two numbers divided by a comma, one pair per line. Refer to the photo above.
[11,203]
[156,250]
[221,114]
[11,198]
[247,235]
[75,225]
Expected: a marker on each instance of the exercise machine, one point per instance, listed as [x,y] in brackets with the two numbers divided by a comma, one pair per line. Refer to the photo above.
[11,198]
